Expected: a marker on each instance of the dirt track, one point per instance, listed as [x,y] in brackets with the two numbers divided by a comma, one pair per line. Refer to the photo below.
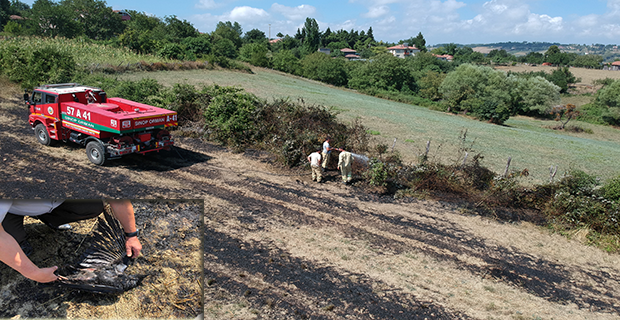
[277,246]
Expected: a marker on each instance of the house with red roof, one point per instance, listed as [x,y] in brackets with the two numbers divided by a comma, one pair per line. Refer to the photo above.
[403,51]
[350,54]
[444,57]
[125,16]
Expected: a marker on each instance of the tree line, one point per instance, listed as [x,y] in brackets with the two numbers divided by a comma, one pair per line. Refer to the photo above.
[464,85]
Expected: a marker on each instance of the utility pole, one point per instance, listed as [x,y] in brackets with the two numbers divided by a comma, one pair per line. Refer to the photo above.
[270,31]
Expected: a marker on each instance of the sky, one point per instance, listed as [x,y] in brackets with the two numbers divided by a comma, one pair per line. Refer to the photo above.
[439,21]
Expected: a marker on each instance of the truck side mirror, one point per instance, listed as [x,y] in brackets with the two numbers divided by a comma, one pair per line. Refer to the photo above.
[26,98]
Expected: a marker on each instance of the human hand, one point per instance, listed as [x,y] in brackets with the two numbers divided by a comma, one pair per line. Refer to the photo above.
[133,247]
[44,275]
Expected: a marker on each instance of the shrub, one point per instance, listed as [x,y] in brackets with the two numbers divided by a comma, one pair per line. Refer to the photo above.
[492,111]
[611,190]
[577,182]
[172,51]
[199,46]
[588,211]
[136,90]
[229,117]
[33,68]
[255,54]
[188,102]
[377,173]
[286,61]
[386,73]
[319,66]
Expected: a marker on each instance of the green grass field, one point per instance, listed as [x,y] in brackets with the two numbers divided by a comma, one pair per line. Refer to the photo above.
[529,142]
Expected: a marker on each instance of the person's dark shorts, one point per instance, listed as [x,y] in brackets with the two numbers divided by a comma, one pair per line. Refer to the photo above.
[69,211]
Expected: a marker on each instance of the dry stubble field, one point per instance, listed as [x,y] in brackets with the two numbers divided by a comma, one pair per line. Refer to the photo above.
[278,246]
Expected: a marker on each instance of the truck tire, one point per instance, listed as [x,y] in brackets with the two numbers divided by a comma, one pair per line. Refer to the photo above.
[95,153]
[40,131]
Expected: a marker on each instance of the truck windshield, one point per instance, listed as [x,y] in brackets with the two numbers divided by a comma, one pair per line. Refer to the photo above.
[36,97]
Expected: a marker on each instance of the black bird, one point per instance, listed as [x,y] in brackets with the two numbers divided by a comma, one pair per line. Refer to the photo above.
[101,269]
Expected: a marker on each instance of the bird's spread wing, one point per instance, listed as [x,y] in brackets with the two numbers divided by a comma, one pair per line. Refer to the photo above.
[101,268]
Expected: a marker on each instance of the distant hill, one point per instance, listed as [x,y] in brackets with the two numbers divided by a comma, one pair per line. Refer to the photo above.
[610,52]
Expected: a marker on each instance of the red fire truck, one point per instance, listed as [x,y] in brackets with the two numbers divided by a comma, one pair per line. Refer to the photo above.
[108,127]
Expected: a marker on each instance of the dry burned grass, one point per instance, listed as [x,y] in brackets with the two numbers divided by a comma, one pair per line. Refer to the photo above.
[281,247]
[170,260]
[277,246]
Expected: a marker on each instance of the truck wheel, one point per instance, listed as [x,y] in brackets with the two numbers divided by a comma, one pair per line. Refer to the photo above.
[40,131]
[95,153]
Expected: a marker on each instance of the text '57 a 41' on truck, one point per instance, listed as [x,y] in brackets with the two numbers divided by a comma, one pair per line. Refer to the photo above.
[108,127]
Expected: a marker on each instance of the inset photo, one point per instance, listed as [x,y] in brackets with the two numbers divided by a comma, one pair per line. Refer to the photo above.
[101,259]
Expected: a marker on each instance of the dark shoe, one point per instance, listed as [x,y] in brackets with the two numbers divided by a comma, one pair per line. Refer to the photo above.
[26,248]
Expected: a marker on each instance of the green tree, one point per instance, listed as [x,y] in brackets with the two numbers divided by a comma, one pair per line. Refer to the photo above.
[138,41]
[429,85]
[286,43]
[172,51]
[451,49]
[95,19]
[319,66]
[423,61]
[227,30]
[556,57]
[417,41]
[384,72]
[13,28]
[225,48]
[592,61]
[609,95]
[253,36]
[533,58]
[478,89]
[500,56]
[312,36]
[177,30]
[5,6]
[563,78]
[51,19]
[255,54]
[286,61]
[200,45]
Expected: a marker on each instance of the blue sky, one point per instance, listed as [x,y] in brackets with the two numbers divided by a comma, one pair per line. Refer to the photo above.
[440,21]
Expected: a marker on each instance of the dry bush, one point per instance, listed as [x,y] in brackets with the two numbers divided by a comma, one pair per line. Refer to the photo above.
[158,66]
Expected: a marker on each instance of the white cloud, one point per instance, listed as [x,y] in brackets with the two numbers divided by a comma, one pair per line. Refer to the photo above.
[245,13]
[298,13]
[249,18]
[375,12]
[439,20]
[346,25]
[207,4]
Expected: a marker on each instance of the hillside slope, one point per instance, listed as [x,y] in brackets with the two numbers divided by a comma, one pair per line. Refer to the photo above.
[531,143]
[278,246]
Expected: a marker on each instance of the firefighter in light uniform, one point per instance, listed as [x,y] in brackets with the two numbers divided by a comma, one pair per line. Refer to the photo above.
[326,151]
[345,160]
[315,163]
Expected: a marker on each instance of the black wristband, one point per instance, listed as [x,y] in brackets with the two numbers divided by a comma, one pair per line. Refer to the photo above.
[132,234]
